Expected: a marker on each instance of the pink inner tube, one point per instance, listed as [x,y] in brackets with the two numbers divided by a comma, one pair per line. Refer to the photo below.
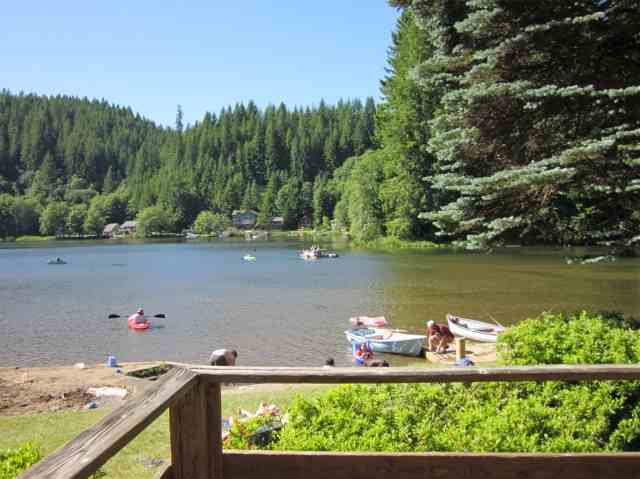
[369,321]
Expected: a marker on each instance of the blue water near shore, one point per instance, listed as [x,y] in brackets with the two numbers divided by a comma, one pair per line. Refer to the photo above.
[279,310]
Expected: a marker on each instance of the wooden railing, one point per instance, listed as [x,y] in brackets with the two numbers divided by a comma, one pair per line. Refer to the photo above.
[192,393]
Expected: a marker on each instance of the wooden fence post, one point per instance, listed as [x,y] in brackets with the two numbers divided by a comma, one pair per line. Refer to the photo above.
[196,428]
[461,350]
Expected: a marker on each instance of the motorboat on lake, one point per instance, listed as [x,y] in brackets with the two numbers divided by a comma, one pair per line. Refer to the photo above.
[314,252]
[249,257]
[474,329]
[390,341]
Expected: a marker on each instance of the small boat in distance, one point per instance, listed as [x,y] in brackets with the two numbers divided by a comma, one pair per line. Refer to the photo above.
[474,329]
[310,253]
[249,257]
[56,261]
[386,341]
[190,235]
[315,252]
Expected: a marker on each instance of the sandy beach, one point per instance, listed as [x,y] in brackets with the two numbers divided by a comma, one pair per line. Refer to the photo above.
[47,389]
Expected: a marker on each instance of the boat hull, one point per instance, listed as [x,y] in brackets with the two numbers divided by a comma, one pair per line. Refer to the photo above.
[473,329]
[404,344]
[138,326]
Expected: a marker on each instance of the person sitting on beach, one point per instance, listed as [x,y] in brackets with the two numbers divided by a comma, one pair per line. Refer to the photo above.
[439,336]
[223,357]
[363,353]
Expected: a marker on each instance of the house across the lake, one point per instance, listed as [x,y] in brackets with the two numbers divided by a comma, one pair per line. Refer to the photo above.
[244,219]
[129,227]
[111,230]
[276,222]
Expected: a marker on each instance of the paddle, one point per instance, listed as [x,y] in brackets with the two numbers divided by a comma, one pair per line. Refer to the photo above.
[159,315]
[493,319]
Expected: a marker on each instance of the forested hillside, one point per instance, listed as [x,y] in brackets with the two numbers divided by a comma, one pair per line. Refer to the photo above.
[70,165]
[501,122]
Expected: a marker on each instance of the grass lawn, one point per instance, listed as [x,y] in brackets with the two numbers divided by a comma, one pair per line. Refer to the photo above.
[49,431]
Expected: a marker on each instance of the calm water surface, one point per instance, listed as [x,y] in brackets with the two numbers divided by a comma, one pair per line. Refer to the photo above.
[279,310]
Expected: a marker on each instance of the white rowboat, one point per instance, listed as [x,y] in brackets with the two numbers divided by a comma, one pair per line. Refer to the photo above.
[387,341]
[474,329]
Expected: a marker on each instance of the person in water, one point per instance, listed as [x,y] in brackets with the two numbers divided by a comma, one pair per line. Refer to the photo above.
[138,317]
[223,357]
[439,336]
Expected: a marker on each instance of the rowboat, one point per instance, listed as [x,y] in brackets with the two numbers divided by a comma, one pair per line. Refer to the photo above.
[474,329]
[387,341]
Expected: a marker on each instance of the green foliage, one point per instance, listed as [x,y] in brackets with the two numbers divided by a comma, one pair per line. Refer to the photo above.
[76,219]
[15,461]
[8,225]
[209,222]
[62,148]
[578,338]
[359,206]
[97,216]
[482,417]
[241,433]
[27,216]
[53,220]
[536,134]
[152,220]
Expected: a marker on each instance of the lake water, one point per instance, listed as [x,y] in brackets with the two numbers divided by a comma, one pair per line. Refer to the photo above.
[279,310]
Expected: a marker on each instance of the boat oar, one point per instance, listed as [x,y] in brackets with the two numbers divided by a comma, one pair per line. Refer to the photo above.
[159,315]
[493,319]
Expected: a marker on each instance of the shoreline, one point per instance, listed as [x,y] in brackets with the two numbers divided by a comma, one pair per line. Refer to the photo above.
[32,390]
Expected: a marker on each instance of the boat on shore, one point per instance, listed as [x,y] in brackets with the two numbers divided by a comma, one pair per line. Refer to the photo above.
[191,236]
[381,340]
[473,329]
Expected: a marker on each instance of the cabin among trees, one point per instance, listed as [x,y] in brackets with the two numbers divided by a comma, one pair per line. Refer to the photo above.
[244,219]
[129,228]
[111,230]
[276,222]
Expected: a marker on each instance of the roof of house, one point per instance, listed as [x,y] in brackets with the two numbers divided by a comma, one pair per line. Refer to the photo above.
[110,227]
[243,212]
[129,224]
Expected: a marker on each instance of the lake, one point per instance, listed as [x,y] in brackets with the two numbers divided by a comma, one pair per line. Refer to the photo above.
[279,310]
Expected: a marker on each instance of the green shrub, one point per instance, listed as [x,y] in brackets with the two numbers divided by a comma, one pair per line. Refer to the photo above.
[550,416]
[242,433]
[15,461]
[578,338]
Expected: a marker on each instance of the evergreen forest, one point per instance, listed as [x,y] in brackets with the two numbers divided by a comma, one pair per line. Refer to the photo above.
[500,122]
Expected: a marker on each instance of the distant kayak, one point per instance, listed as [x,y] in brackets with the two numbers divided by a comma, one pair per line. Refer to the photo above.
[56,261]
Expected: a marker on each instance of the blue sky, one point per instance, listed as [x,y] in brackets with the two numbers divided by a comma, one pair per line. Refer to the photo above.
[153,55]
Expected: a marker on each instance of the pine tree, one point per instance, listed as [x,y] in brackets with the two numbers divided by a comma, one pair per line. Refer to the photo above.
[539,129]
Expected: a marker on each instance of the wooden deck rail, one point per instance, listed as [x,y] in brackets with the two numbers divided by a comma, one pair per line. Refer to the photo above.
[192,393]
